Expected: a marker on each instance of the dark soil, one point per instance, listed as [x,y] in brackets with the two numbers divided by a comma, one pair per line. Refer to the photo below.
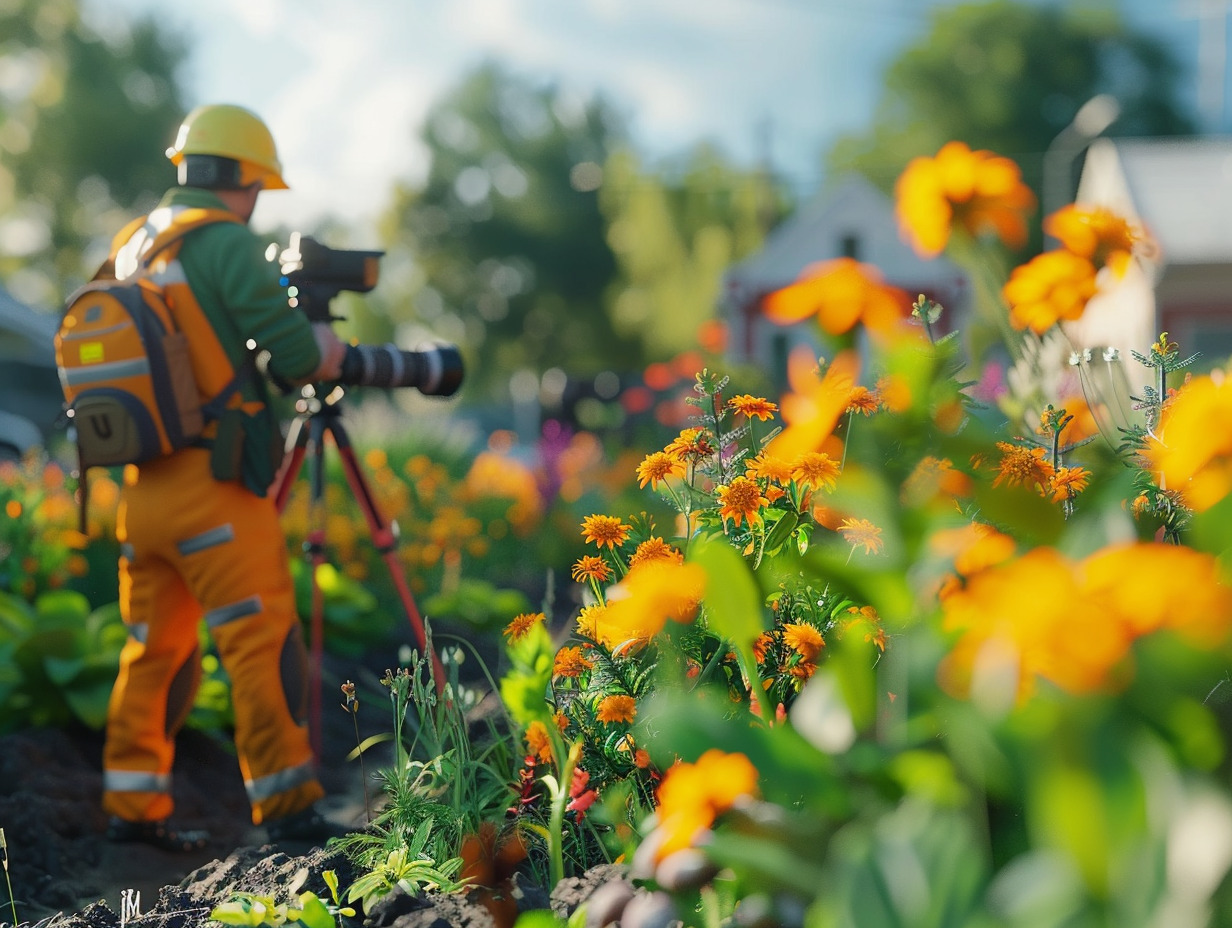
[65,874]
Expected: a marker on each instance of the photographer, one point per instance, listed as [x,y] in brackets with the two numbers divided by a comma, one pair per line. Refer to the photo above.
[199,536]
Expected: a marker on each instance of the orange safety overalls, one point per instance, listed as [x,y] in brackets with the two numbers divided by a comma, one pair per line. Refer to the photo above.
[195,548]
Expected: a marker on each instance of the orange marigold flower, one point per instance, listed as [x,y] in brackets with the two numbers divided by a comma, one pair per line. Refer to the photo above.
[655,549]
[863,400]
[802,670]
[814,407]
[753,406]
[1140,505]
[933,478]
[760,644]
[804,639]
[1023,467]
[1096,233]
[768,467]
[605,530]
[649,595]
[591,567]
[690,444]
[657,467]
[692,796]
[740,500]
[1068,482]
[1191,448]
[862,533]
[1050,288]
[816,469]
[522,624]
[866,617]
[618,708]
[538,743]
[976,190]
[840,293]
[571,662]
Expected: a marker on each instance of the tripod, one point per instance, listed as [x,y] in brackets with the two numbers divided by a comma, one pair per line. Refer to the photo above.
[317,417]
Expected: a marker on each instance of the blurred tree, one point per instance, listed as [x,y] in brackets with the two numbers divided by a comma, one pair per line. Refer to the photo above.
[1009,77]
[674,238]
[503,246]
[86,111]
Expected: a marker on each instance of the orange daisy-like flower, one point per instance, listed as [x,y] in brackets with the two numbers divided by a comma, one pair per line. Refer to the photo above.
[690,445]
[768,467]
[590,567]
[1050,288]
[816,469]
[617,708]
[650,594]
[1096,233]
[753,406]
[840,293]
[804,639]
[692,796]
[655,549]
[1068,482]
[867,619]
[538,743]
[741,500]
[975,190]
[863,400]
[934,478]
[605,530]
[814,407]
[862,533]
[1191,448]
[1023,467]
[657,467]
[522,624]
[571,662]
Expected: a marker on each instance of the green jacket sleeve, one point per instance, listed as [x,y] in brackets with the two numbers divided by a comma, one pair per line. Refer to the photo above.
[228,272]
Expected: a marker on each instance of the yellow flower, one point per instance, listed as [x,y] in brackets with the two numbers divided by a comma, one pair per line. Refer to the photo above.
[768,467]
[976,190]
[692,796]
[753,406]
[655,549]
[1096,233]
[617,708]
[840,293]
[538,743]
[1191,448]
[590,567]
[816,469]
[1068,482]
[1023,467]
[741,500]
[589,619]
[658,466]
[522,624]
[815,406]
[804,639]
[571,662]
[1050,288]
[861,533]
[605,530]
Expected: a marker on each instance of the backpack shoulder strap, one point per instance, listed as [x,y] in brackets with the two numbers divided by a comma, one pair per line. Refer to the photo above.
[185,222]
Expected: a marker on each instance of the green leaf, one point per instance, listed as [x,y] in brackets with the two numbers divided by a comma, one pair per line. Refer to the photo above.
[314,913]
[733,598]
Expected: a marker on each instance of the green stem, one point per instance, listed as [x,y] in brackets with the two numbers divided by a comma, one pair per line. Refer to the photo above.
[556,828]
[712,917]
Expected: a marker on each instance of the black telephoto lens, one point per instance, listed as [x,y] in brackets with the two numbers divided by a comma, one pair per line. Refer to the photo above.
[435,370]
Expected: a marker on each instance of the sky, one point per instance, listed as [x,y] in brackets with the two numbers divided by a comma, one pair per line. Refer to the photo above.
[345,86]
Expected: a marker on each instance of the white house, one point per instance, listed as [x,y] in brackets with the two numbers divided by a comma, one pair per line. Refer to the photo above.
[851,219]
[1180,190]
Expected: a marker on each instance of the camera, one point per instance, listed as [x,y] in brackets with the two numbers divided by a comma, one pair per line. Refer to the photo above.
[314,274]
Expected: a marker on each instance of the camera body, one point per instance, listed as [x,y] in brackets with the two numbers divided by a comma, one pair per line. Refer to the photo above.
[314,274]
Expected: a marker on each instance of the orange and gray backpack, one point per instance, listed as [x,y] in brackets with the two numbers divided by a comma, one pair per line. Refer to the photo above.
[122,348]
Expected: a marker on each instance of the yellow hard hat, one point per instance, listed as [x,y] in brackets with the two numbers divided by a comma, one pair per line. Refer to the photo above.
[228,131]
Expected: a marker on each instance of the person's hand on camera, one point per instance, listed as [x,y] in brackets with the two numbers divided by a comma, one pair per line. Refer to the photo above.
[332,351]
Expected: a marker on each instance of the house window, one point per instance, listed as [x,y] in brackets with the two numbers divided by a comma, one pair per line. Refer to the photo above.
[778,361]
[849,246]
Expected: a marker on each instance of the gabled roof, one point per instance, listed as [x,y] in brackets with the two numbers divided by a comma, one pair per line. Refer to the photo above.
[853,208]
[1180,189]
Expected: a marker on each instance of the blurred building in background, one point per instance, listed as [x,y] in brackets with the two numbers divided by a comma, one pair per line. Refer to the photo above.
[30,397]
[1180,190]
[851,219]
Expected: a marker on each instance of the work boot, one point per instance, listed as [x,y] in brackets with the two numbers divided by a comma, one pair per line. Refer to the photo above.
[307,826]
[156,834]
